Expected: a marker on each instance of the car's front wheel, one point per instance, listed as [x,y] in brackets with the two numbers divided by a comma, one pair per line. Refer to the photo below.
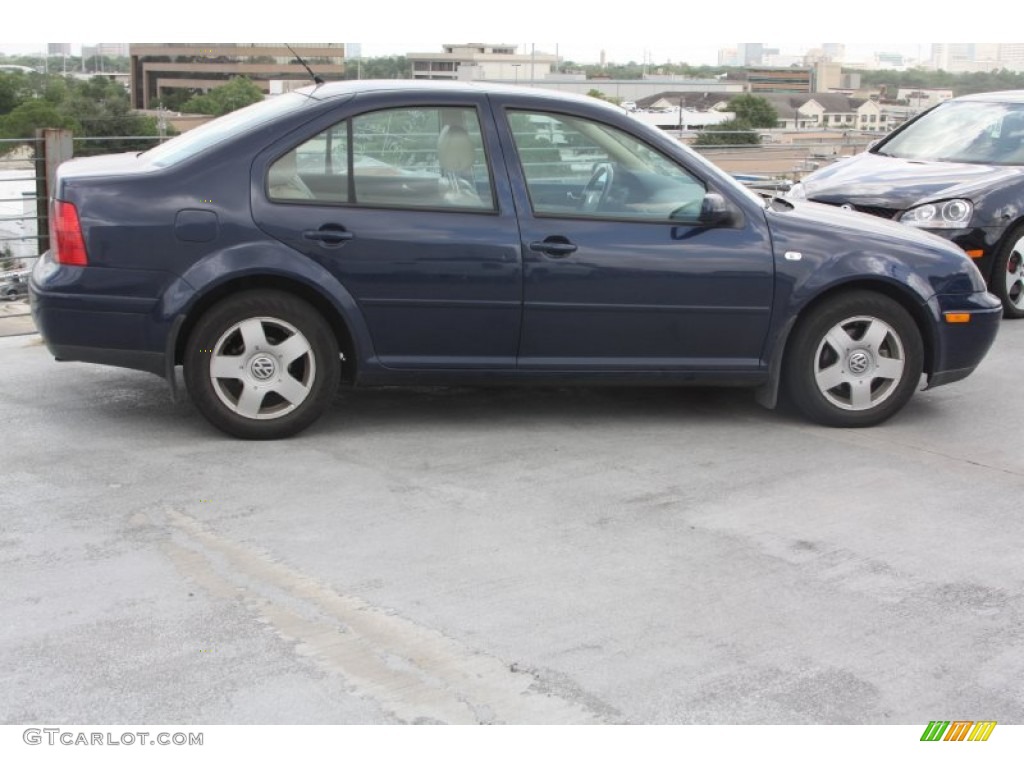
[262,365]
[854,361]
[1008,277]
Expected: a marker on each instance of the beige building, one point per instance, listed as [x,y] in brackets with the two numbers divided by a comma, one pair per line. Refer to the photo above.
[761,80]
[202,66]
[482,61]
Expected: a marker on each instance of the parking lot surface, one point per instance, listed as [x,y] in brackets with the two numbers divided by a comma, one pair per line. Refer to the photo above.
[508,555]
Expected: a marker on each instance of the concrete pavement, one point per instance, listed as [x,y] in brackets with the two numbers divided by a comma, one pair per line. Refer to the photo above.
[532,555]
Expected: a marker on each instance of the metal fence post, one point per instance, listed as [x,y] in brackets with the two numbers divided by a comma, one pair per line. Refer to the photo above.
[55,146]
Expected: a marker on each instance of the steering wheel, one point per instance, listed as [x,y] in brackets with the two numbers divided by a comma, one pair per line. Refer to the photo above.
[596,191]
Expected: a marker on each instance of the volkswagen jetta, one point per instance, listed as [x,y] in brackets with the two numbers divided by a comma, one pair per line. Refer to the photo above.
[407,232]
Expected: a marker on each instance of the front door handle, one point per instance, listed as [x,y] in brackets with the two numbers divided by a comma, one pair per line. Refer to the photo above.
[557,246]
[329,234]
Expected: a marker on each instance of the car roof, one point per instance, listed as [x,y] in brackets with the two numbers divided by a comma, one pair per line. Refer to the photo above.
[441,88]
[1014,97]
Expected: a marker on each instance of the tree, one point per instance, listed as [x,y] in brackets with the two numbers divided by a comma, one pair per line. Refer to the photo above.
[754,111]
[101,108]
[12,90]
[728,133]
[376,68]
[237,93]
[175,99]
[23,120]
[98,107]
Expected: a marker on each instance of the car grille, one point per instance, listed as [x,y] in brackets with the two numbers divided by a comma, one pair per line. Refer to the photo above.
[873,210]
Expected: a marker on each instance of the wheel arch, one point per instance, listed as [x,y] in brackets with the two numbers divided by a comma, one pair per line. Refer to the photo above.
[1013,230]
[325,306]
[768,393]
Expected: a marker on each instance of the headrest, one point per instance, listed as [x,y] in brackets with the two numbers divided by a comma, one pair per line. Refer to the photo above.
[455,151]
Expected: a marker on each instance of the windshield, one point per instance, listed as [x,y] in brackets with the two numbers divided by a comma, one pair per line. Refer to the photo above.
[963,132]
[195,141]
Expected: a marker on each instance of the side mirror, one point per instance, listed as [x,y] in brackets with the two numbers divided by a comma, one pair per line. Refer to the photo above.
[715,211]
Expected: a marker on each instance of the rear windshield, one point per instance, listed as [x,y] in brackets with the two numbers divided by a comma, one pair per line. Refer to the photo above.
[234,123]
[963,132]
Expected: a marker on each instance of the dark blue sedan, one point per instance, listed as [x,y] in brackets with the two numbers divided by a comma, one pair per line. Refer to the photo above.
[407,232]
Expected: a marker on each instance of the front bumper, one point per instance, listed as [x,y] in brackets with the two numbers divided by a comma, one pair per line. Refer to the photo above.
[960,346]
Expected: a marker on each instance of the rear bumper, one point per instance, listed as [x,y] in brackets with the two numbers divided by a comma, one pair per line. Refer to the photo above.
[960,347]
[122,331]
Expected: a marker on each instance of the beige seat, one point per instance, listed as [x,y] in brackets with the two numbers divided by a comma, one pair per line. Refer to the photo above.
[456,156]
[284,181]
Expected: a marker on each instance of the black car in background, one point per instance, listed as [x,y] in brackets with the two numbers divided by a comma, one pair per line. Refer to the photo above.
[956,170]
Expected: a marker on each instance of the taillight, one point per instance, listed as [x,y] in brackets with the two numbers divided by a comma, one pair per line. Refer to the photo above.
[66,234]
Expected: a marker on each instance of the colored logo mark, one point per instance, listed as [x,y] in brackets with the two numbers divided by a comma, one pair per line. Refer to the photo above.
[958,730]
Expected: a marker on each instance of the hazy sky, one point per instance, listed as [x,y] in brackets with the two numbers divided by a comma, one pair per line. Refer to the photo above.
[680,31]
[579,52]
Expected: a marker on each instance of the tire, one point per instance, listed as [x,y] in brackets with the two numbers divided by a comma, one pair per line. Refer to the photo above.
[1008,274]
[262,365]
[854,361]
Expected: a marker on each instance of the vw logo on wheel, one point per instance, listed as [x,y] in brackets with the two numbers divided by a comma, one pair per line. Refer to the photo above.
[262,367]
[859,362]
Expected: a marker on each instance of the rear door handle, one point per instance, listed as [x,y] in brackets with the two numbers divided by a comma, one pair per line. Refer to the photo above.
[556,247]
[329,234]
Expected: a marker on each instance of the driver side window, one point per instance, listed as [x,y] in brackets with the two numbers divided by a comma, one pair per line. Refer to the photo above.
[576,167]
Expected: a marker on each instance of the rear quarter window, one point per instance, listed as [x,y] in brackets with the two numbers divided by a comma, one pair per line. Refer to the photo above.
[222,129]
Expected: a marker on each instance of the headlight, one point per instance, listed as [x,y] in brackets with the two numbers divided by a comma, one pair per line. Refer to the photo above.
[797,192]
[949,214]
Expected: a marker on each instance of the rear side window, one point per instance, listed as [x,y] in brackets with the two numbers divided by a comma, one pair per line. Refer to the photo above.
[425,157]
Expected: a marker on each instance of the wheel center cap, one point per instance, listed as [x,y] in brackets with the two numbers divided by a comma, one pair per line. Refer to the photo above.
[262,367]
[859,362]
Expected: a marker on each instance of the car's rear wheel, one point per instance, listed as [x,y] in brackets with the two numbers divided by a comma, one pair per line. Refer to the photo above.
[262,365]
[854,361]
[1008,275]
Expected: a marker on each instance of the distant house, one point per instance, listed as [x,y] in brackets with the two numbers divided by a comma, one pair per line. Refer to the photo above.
[832,111]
